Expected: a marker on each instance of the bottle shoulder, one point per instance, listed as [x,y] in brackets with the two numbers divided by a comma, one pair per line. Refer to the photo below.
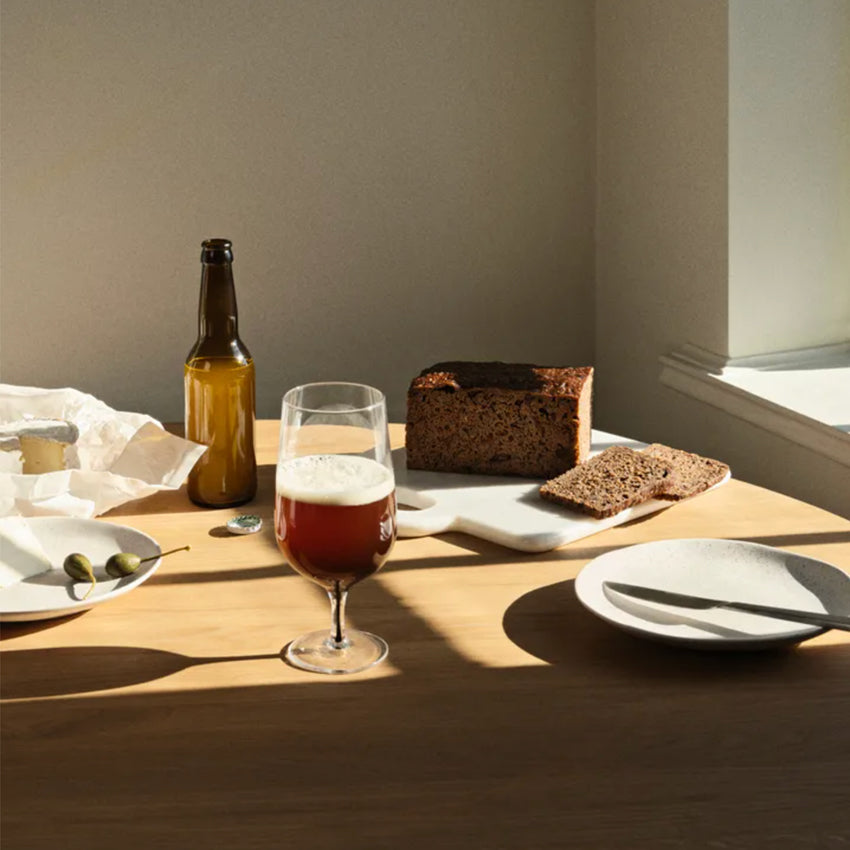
[223,350]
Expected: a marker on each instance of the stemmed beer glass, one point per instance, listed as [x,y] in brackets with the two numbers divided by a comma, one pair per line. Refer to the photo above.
[335,509]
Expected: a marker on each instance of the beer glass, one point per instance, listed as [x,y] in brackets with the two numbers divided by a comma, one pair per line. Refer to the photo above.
[335,510]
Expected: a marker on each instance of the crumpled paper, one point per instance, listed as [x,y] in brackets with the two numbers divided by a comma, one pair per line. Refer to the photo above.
[118,457]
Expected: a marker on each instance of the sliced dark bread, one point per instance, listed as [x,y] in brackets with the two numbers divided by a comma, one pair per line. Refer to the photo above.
[691,473]
[613,480]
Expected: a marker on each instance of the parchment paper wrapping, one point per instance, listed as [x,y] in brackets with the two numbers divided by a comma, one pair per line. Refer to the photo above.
[119,456]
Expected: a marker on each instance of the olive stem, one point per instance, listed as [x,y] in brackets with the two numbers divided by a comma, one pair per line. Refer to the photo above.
[163,554]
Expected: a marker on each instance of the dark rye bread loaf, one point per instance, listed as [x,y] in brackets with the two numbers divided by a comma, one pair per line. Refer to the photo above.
[691,473]
[499,418]
[613,480]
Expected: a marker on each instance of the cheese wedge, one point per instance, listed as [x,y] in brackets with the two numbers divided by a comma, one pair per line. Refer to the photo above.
[41,442]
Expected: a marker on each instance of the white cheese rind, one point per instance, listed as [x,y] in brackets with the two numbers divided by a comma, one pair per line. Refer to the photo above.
[54,430]
[41,442]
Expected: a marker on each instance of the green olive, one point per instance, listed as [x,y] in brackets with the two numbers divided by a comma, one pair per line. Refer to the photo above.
[79,568]
[126,563]
[122,564]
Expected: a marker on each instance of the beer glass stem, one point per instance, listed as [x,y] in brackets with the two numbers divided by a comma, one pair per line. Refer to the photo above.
[338,596]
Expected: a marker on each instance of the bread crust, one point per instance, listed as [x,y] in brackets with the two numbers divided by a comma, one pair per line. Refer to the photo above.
[496,418]
[691,473]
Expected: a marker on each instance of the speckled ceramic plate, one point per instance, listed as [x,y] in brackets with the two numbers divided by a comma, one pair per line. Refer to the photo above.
[719,569]
[51,593]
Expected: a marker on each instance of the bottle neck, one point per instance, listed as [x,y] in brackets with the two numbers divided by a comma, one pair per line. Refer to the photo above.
[217,316]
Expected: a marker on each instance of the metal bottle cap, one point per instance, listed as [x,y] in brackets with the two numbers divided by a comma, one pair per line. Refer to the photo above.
[244,524]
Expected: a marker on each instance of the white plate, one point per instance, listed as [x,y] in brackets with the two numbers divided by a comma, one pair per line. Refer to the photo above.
[720,569]
[53,593]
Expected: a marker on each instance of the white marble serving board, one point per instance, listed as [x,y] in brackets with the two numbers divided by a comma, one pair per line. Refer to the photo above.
[501,509]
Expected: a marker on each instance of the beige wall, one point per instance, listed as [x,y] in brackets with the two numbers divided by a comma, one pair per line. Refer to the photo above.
[662,222]
[789,174]
[403,182]
[662,237]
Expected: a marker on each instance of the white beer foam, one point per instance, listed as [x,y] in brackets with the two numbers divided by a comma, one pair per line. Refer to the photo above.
[334,480]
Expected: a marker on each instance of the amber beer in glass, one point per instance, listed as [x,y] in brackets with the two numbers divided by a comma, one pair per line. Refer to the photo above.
[363,520]
[335,509]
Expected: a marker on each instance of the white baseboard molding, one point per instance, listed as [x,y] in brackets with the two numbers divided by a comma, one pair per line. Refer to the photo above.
[699,374]
[824,356]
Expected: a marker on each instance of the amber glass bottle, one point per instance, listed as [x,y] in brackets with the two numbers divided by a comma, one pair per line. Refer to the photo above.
[219,390]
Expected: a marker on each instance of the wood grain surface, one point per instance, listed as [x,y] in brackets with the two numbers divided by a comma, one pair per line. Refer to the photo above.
[506,716]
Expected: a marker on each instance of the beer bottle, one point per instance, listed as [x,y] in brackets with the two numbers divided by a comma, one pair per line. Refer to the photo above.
[219,390]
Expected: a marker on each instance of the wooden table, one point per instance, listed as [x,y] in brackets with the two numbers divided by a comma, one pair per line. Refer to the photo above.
[506,716]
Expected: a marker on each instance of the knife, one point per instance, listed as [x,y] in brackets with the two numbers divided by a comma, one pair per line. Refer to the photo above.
[684,600]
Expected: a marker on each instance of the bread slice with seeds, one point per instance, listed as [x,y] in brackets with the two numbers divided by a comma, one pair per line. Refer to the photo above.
[691,473]
[613,480]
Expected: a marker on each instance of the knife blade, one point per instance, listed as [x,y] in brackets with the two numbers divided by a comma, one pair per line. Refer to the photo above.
[686,600]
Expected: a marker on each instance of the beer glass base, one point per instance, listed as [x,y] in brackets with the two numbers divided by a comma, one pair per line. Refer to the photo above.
[316,652]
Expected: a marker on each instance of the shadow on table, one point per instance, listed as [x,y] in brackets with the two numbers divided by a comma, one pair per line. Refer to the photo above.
[551,624]
[600,736]
[615,743]
[83,669]
[548,623]
[815,538]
